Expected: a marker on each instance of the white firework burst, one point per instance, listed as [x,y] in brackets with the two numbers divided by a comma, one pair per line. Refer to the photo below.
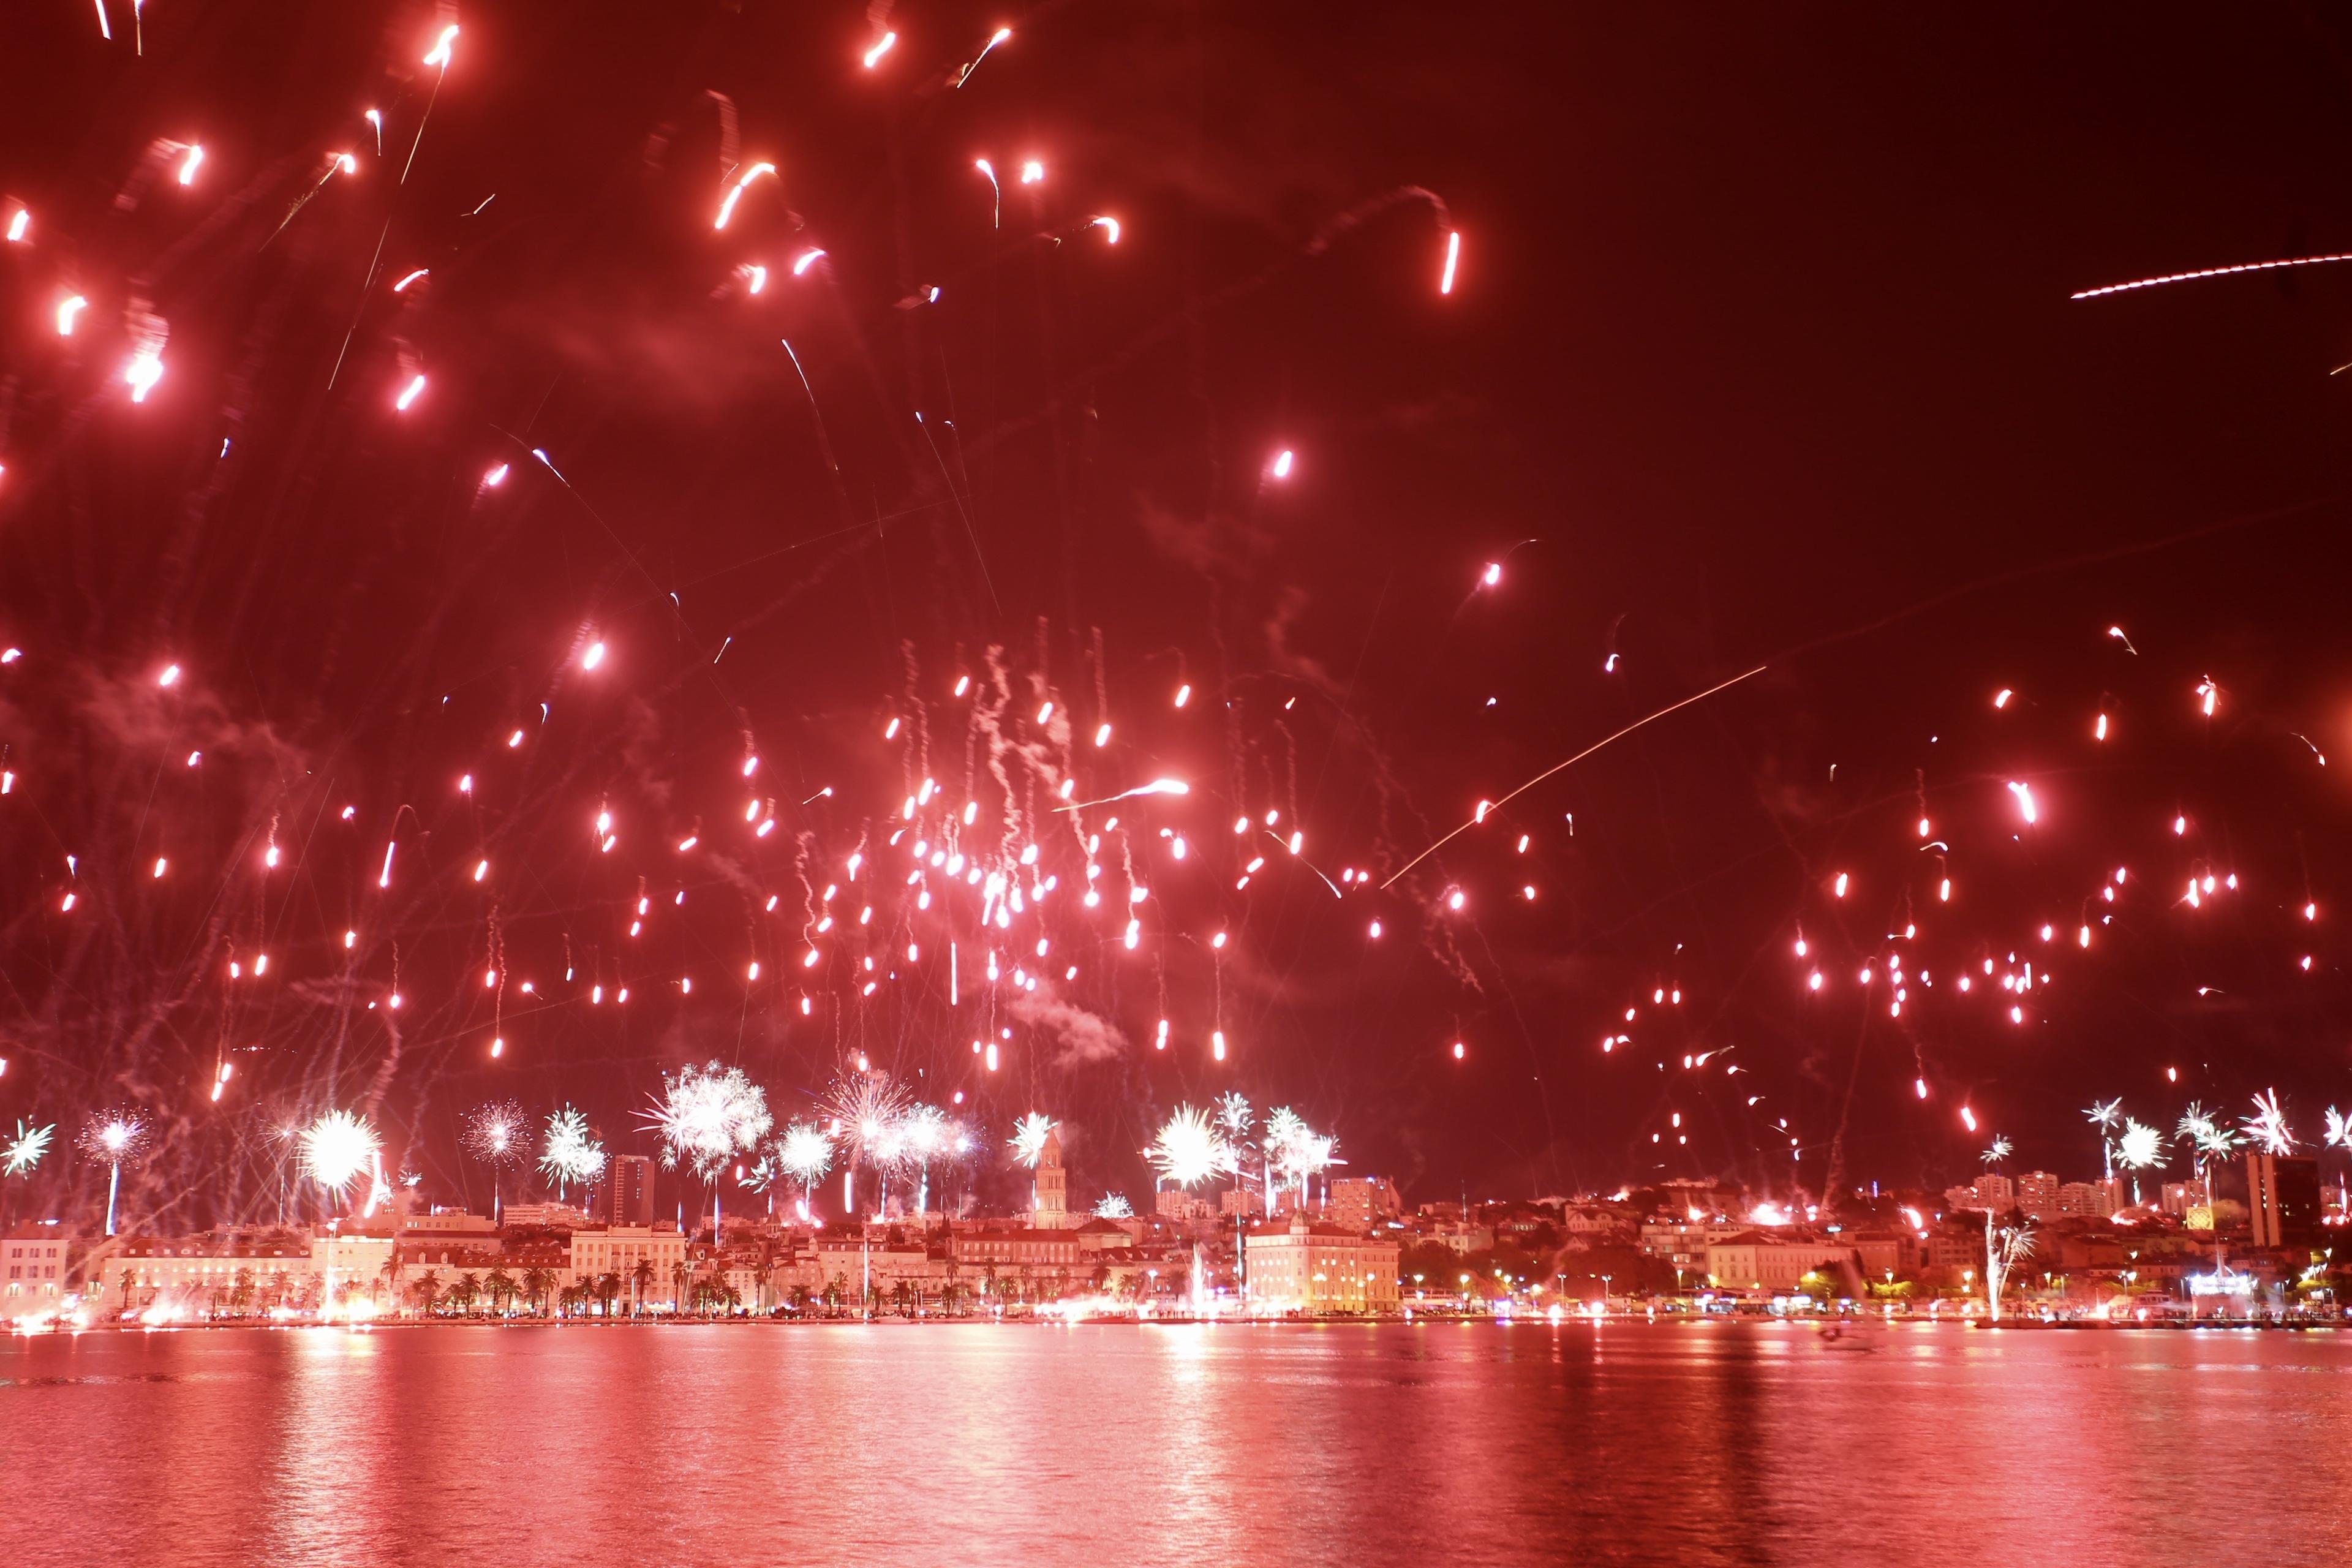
[1028,1140]
[571,1155]
[339,1148]
[25,1148]
[708,1115]
[1187,1151]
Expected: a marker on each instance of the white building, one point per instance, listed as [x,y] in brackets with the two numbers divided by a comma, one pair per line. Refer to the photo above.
[33,1263]
[620,1248]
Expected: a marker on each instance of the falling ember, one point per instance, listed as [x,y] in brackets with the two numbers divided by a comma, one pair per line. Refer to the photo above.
[2099,731]
[18,222]
[414,390]
[1838,888]
[1183,694]
[2000,698]
[1493,573]
[402,287]
[1453,255]
[1919,1085]
[188,165]
[2207,691]
[727,206]
[1282,461]
[1217,1044]
[1110,225]
[807,260]
[492,480]
[1032,172]
[1458,1052]
[385,880]
[2209,272]
[2024,799]
[882,46]
[1968,1119]
[442,49]
[593,657]
[145,369]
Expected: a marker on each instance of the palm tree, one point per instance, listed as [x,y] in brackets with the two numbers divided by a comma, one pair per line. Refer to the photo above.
[679,1275]
[240,1295]
[500,1287]
[466,1292]
[126,1289]
[761,1271]
[425,1291]
[535,1283]
[608,1290]
[641,1277]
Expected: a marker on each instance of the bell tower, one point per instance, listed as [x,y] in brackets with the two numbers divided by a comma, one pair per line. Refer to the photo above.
[1053,1204]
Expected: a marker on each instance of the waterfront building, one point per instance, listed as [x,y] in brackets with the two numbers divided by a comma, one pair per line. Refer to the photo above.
[545,1216]
[621,1250]
[1995,1192]
[35,1260]
[1683,1242]
[2180,1197]
[1319,1269]
[1240,1202]
[1766,1264]
[349,1265]
[201,1274]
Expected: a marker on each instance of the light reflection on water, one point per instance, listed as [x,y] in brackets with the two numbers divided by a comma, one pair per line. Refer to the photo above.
[1621,1442]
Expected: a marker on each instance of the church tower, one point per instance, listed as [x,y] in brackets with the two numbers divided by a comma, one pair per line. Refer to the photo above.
[1053,1206]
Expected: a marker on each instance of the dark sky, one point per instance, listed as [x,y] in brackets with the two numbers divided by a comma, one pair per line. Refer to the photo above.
[1761,344]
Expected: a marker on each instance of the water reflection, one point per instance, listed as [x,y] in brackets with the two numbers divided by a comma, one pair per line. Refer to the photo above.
[1193,1444]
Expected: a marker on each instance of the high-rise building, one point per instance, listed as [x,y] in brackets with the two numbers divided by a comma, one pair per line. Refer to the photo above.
[1360,1203]
[626,1194]
[2037,1194]
[1995,1192]
[2283,1199]
[1053,1205]
[2094,1200]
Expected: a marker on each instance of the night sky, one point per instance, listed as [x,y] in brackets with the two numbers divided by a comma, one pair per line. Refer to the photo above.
[1760,353]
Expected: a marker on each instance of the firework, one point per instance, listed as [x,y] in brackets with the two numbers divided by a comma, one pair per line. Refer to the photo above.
[1028,1140]
[2267,1128]
[496,1133]
[2140,1147]
[1114,1206]
[2209,272]
[337,1149]
[2000,1149]
[114,1138]
[805,1154]
[1187,1150]
[866,1108]
[25,1148]
[571,1154]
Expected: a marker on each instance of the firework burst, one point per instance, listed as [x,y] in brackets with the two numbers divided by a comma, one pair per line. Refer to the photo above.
[1028,1140]
[1187,1151]
[25,1148]
[337,1149]
[571,1155]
